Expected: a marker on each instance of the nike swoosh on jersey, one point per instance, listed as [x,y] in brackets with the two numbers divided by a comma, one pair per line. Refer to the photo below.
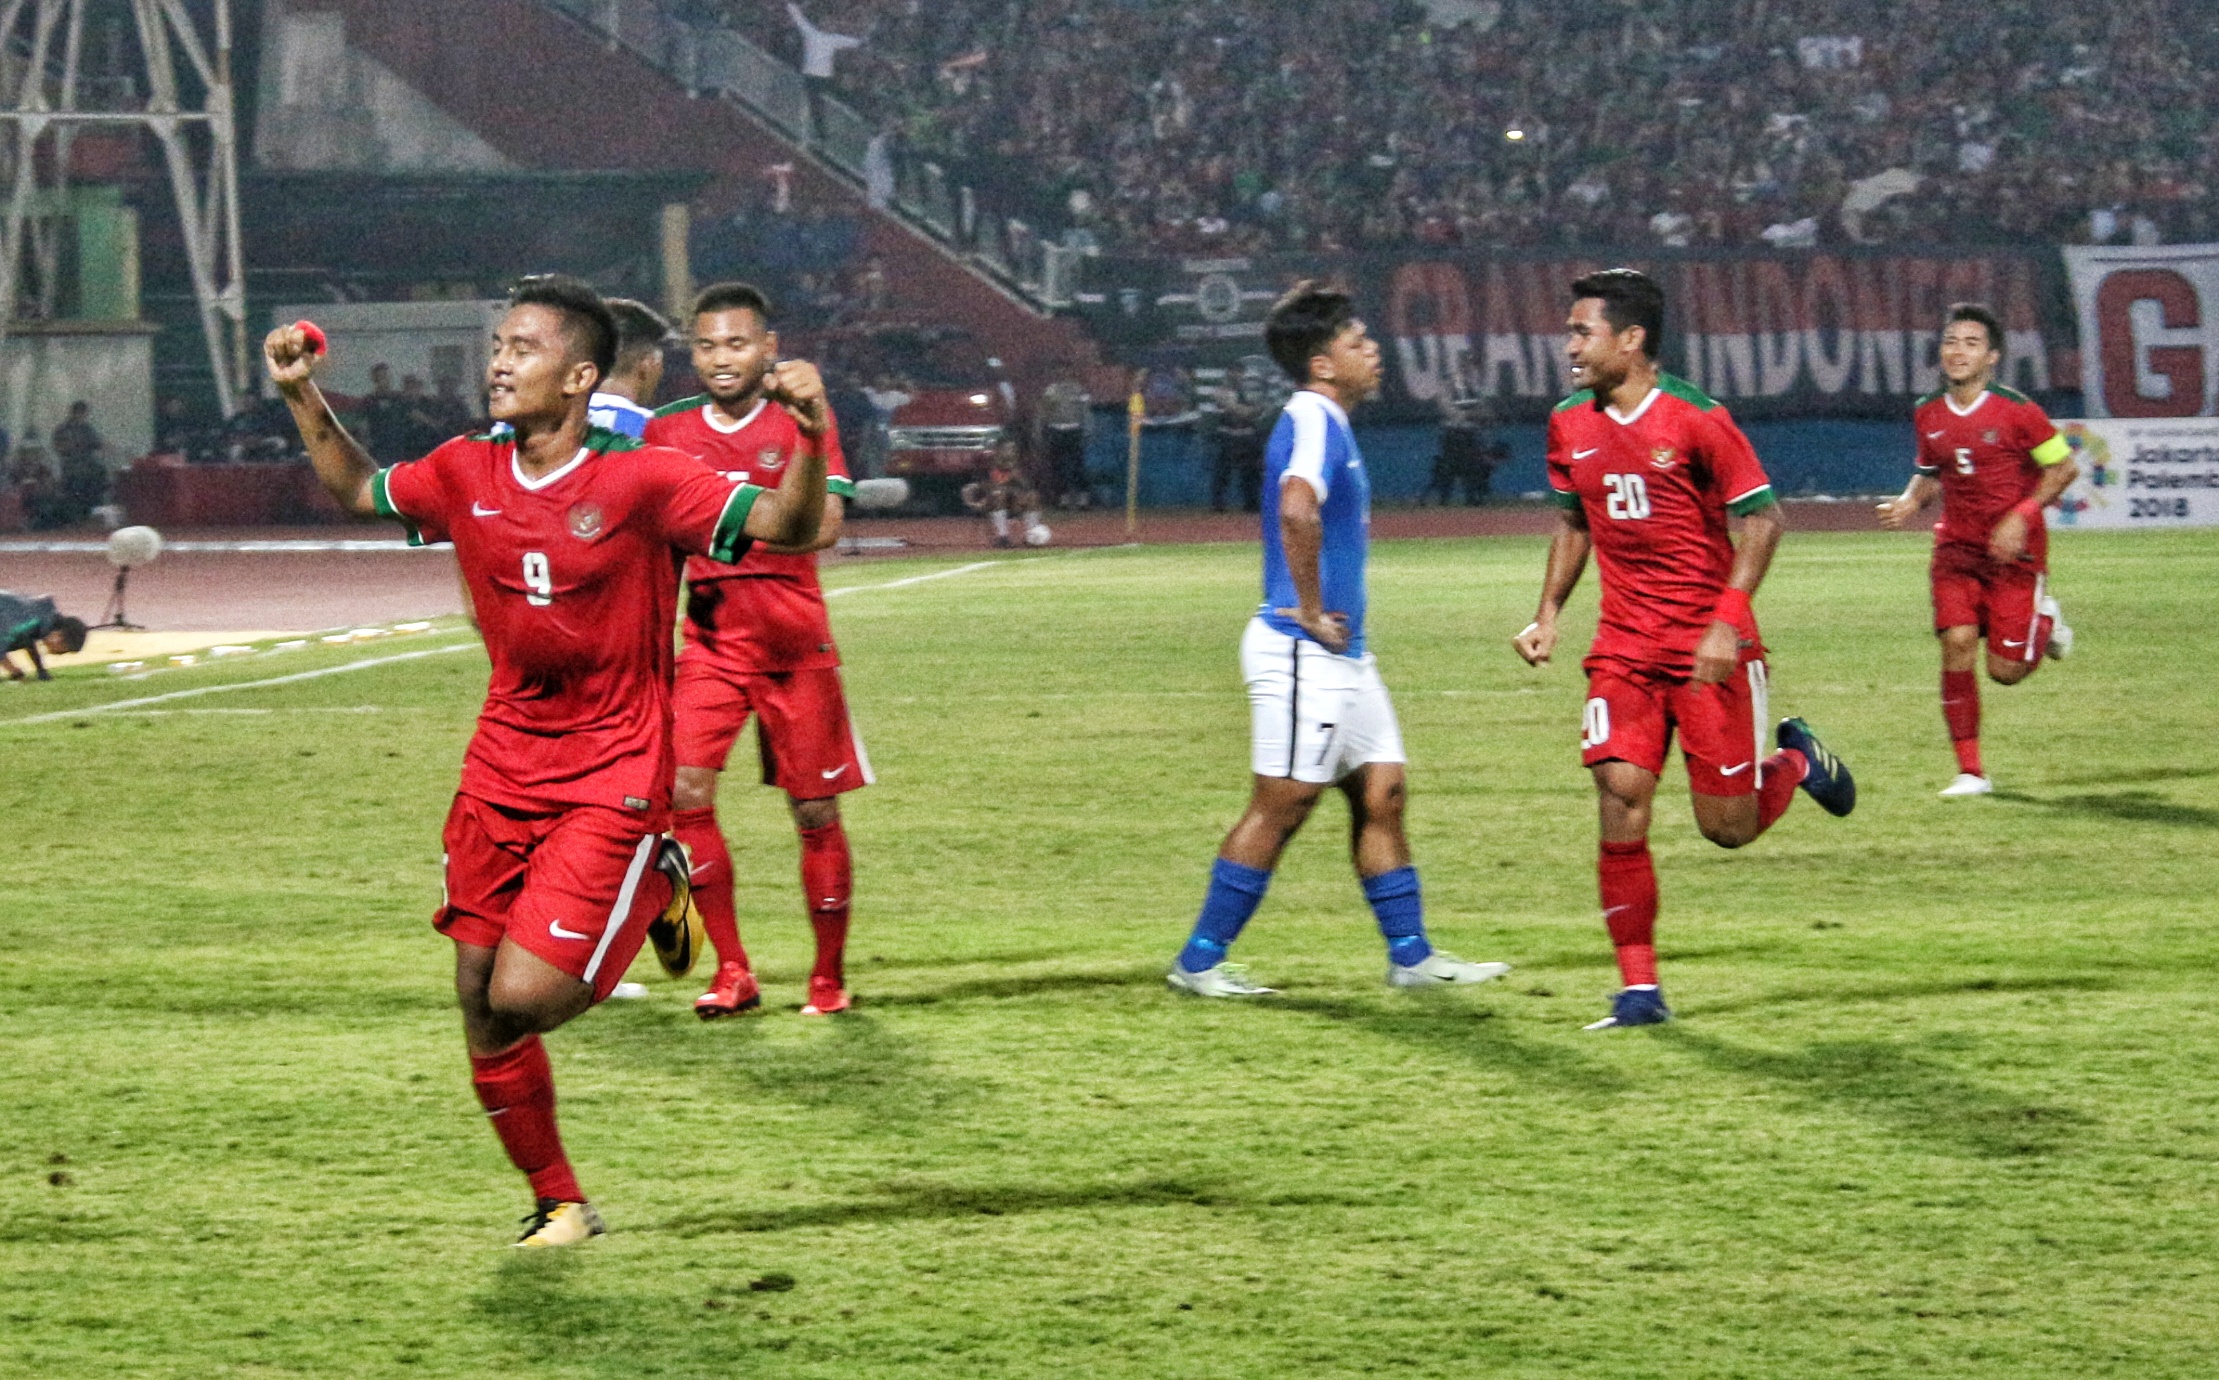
[1935,435]
[1583,454]
[1733,770]
[480,510]
[834,772]
[2009,643]
[554,927]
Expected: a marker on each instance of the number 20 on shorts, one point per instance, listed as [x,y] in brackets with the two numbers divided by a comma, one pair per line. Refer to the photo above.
[1595,721]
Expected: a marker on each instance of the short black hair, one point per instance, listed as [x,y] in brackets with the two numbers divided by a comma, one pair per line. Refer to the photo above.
[1630,298]
[734,297]
[585,317]
[1303,322]
[1977,311]
[640,329]
[73,634]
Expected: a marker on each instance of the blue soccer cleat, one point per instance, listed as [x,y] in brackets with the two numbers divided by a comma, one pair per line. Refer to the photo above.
[1635,1006]
[1826,777]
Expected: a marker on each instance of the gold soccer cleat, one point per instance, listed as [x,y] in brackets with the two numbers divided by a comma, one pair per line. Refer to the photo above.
[557,1223]
[676,934]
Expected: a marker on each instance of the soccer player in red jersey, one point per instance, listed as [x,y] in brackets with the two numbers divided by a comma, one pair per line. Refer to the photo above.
[557,860]
[1646,470]
[1997,461]
[757,641]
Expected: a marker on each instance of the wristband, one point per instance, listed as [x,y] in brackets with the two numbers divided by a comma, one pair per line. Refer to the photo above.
[1733,607]
[2030,510]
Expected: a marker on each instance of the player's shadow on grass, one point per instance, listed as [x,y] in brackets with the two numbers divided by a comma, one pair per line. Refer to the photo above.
[853,1063]
[1907,991]
[1449,1024]
[1902,1088]
[1022,985]
[532,1297]
[2125,807]
[2140,777]
[927,1201]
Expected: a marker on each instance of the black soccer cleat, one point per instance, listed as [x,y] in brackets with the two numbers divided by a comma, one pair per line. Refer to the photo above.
[676,935]
[1825,777]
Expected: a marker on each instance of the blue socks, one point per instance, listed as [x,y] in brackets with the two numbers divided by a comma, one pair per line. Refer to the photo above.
[1395,903]
[1235,892]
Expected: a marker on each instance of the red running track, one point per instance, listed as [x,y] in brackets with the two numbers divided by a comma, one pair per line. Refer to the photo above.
[313,590]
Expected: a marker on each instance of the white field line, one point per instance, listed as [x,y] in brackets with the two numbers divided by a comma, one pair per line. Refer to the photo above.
[375,661]
[977,565]
[247,547]
[296,709]
[340,670]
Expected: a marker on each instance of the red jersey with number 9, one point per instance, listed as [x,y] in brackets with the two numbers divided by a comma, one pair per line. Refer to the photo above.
[766,612]
[1988,458]
[1656,487]
[574,576]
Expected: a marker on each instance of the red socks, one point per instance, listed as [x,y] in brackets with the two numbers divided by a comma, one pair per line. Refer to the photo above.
[1629,889]
[517,1089]
[827,881]
[712,881]
[1783,772]
[1961,711]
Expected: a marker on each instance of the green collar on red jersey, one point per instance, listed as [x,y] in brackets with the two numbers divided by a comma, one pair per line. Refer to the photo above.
[599,439]
[692,404]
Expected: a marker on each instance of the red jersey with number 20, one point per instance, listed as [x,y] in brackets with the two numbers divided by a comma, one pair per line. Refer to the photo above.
[574,576]
[766,612]
[1656,487]
[1988,458]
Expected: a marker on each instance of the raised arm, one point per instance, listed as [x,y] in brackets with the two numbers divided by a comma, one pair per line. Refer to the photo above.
[1302,537]
[341,463]
[1720,650]
[828,529]
[791,515]
[1568,550]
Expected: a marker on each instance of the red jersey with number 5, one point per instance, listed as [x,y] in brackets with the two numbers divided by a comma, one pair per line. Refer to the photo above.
[1989,457]
[765,613]
[574,576]
[1656,486]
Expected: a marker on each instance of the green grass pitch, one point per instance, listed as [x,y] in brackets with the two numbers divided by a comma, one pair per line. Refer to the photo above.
[1938,1103]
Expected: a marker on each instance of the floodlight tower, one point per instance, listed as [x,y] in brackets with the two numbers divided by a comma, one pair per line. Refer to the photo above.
[189,112]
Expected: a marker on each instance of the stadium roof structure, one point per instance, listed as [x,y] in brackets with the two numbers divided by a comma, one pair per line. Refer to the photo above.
[376,234]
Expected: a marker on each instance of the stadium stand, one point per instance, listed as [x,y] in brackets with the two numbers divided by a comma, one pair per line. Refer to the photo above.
[1254,125]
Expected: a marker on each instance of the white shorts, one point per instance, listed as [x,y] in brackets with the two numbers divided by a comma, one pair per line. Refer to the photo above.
[1314,716]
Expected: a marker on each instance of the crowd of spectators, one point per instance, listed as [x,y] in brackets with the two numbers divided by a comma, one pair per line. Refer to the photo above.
[1192,125]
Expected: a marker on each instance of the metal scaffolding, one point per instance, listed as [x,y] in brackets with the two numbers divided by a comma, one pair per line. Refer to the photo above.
[45,101]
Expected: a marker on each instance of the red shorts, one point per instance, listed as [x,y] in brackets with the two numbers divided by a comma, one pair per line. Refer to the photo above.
[809,748]
[576,887]
[1631,714]
[2000,598]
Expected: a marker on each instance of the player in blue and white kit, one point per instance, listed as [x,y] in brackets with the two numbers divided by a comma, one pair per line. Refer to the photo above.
[1320,715]
[625,400]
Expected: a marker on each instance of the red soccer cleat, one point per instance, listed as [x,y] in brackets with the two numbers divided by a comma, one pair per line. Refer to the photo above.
[732,992]
[826,996]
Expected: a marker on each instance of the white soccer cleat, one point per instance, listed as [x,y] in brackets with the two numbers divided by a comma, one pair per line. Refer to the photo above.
[1443,969]
[1968,784]
[629,991]
[2060,637]
[1224,980]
